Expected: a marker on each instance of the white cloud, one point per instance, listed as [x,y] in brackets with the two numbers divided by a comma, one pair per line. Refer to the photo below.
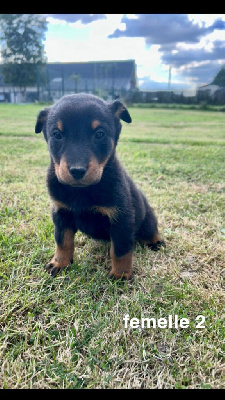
[69,46]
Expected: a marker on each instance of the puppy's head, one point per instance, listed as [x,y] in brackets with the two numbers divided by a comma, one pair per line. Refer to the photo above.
[82,132]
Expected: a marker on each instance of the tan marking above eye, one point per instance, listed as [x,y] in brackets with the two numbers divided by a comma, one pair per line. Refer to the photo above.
[60,126]
[95,124]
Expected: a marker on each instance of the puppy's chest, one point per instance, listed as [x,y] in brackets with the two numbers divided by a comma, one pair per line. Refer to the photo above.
[82,211]
[111,212]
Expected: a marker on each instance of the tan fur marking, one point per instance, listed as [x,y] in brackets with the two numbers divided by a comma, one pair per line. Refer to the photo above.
[42,119]
[64,253]
[156,238]
[95,170]
[119,111]
[95,124]
[93,174]
[102,165]
[60,126]
[58,204]
[62,172]
[111,212]
[121,266]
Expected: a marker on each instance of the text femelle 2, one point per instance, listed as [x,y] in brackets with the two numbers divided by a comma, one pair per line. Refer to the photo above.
[172,321]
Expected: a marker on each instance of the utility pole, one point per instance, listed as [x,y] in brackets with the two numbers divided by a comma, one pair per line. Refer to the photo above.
[169,85]
[169,80]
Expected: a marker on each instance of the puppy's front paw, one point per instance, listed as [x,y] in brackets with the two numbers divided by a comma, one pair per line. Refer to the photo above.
[53,267]
[125,276]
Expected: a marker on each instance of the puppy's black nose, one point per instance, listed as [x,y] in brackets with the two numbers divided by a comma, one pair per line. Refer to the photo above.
[77,172]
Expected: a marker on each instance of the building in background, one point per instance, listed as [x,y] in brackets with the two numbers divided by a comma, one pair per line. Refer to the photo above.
[107,79]
[212,94]
[104,78]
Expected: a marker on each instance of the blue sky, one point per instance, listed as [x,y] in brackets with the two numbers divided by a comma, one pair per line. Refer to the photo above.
[192,45]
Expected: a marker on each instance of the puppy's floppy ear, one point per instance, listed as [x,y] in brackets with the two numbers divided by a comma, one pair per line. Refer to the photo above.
[120,111]
[41,120]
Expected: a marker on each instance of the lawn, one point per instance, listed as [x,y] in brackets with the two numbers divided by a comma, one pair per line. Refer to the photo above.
[70,331]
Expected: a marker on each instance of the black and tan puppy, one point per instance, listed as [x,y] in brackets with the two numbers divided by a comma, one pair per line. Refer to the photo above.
[90,190]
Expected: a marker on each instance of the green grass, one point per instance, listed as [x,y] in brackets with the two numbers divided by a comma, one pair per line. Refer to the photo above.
[68,331]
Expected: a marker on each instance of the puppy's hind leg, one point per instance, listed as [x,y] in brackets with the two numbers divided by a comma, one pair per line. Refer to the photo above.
[148,233]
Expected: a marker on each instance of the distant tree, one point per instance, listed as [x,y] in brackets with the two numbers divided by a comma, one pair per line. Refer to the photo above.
[22,50]
[220,77]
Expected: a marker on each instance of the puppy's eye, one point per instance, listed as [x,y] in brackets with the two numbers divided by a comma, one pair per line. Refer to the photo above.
[99,134]
[57,135]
